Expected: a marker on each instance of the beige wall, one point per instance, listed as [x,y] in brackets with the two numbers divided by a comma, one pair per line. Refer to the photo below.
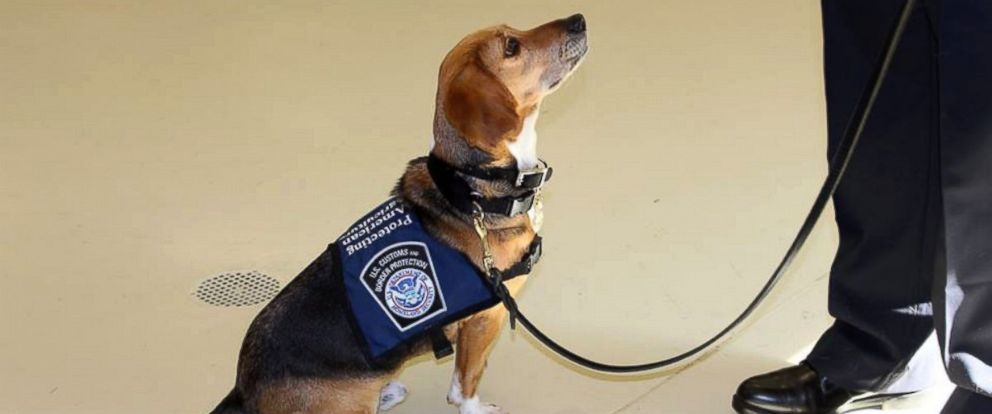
[146,145]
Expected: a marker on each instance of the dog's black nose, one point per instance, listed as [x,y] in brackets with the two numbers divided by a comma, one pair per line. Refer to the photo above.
[576,23]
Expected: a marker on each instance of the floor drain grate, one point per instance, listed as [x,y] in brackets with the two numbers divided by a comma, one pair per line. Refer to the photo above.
[237,289]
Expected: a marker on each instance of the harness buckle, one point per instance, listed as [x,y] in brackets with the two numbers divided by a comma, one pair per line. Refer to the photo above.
[521,205]
[535,253]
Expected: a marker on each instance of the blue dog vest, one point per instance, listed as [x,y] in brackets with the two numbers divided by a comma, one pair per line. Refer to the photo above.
[401,283]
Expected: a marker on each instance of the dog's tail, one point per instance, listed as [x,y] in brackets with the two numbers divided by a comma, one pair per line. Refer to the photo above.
[232,404]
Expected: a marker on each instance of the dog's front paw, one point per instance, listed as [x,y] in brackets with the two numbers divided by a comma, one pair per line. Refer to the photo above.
[473,406]
[392,394]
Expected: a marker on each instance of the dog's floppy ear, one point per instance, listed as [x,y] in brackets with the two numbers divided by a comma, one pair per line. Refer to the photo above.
[480,107]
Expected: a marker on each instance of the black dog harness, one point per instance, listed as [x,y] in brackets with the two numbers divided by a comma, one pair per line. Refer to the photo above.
[403,284]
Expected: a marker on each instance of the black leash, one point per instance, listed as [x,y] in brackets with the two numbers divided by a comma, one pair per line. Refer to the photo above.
[838,165]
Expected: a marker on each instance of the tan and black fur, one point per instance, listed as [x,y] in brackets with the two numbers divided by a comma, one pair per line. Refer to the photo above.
[300,354]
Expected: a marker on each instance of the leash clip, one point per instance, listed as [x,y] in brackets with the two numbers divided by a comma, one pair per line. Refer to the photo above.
[479,219]
[493,274]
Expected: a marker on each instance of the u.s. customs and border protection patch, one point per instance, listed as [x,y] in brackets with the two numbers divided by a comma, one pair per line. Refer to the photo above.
[402,279]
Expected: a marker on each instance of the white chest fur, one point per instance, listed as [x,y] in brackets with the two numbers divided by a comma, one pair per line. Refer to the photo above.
[524,150]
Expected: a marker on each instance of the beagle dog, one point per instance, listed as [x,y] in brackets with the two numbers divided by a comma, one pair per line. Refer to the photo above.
[302,355]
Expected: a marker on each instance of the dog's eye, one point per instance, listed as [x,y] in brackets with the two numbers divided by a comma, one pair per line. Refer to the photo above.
[512,47]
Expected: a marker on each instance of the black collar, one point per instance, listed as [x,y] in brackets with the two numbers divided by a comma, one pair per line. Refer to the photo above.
[460,195]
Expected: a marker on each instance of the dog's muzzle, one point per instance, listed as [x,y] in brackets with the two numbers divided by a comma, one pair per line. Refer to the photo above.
[574,49]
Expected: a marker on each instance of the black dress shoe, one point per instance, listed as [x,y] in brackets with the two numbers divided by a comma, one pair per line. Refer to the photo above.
[795,390]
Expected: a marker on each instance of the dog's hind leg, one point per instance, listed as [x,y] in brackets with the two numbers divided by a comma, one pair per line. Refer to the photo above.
[323,396]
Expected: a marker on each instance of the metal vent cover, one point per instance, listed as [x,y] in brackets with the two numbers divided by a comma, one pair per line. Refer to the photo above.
[237,289]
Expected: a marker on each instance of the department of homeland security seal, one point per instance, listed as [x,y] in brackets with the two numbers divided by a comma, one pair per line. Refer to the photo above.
[409,293]
[402,279]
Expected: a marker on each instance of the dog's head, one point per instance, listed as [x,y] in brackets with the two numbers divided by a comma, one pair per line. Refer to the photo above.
[495,78]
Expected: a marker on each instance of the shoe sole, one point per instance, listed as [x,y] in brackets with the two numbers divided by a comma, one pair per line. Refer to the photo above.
[862,403]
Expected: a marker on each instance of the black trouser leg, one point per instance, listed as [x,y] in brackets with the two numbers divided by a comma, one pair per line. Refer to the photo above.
[887,206]
[963,298]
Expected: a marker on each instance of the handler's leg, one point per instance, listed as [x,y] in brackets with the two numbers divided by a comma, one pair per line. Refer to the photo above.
[888,204]
[887,214]
[963,303]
